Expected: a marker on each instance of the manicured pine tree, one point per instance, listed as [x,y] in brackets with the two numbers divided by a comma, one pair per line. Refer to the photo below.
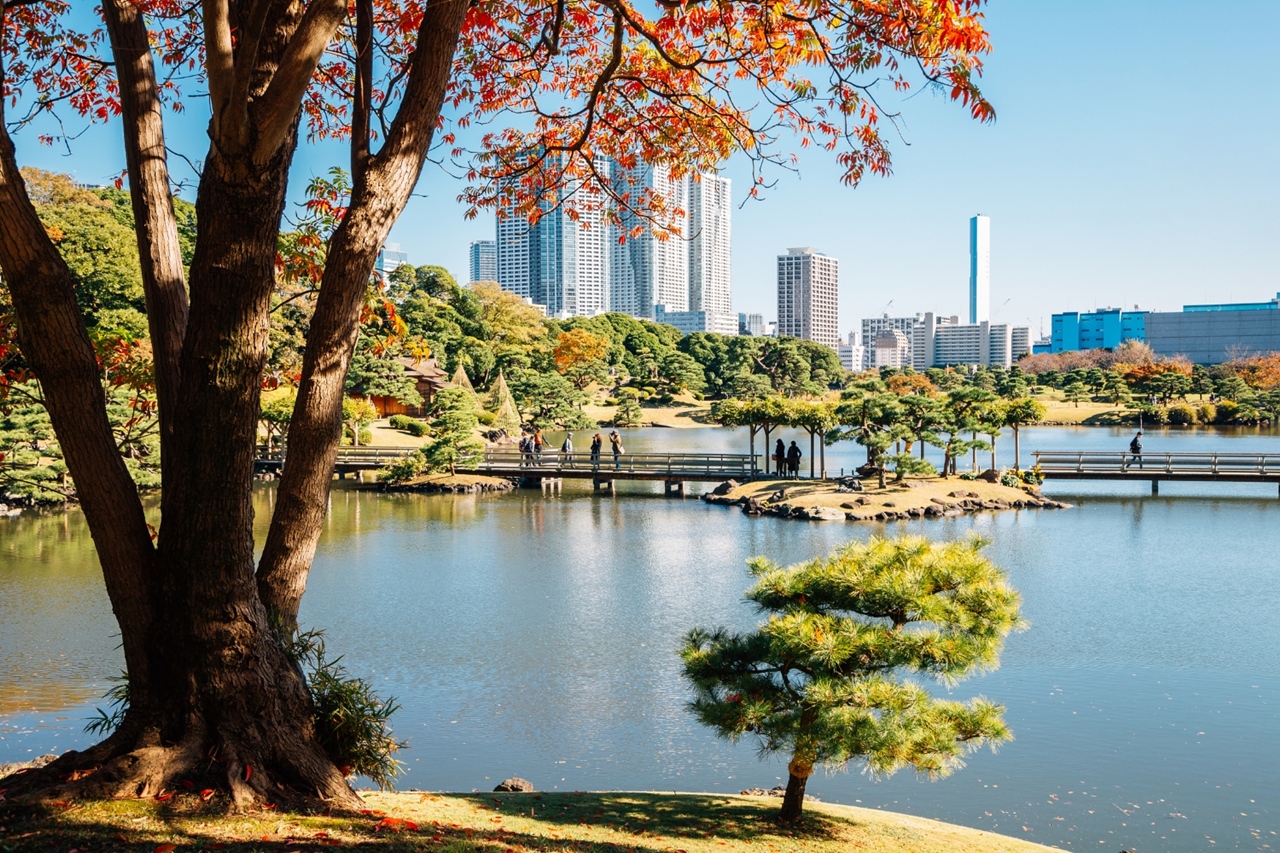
[823,679]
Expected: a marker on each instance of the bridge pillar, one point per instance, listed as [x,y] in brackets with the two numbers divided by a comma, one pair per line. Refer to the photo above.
[674,487]
[551,484]
[603,485]
[1155,488]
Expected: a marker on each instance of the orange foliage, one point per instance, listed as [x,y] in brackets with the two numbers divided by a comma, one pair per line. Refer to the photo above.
[904,384]
[577,347]
[1135,375]
[1259,371]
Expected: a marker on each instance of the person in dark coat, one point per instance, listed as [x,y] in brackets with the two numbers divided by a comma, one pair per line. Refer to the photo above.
[793,461]
[780,458]
[596,443]
[1135,450]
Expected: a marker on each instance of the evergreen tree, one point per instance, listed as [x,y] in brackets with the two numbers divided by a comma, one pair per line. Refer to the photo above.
[823,679]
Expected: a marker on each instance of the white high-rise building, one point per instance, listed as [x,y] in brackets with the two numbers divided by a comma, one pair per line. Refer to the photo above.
[980,269]
[710,220]
[940,343]
[573,250]
[871,326]
[851,353]
[561,262]
[484,260]
[513,251]
[808,296]
[645,270]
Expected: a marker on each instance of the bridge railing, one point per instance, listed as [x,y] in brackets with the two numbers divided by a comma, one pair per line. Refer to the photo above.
[1084,462]
[367,455]
[675,464]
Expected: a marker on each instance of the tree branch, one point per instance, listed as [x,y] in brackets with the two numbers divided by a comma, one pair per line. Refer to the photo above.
[314,430]
[279,105]
[219,60]
[363,100]
[54,341]
[159,250]
[236,112]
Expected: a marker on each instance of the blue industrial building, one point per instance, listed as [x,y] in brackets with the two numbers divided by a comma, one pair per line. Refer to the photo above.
[1104,329]
[1205,334]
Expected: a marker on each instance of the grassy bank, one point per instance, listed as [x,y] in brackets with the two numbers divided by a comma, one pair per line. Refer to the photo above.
[492,823]
[910,498]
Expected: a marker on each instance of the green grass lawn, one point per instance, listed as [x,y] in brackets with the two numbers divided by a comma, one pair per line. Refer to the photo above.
[488,823]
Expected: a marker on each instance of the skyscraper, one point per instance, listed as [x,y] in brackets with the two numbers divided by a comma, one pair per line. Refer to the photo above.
[561,262]
[652,267]
[979,269]
[514,251]
[484,260]
[710,211]
[808,296]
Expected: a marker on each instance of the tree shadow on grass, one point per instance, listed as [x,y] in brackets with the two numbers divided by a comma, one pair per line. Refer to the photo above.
[632,823]
[690,816]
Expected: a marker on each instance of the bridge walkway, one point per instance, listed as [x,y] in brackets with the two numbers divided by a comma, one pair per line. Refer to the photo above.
[1159,467]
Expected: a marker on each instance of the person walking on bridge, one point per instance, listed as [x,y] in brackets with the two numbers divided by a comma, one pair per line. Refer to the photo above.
[566,449]
[596,443]
[1135,449]
[615,442]
[538,444]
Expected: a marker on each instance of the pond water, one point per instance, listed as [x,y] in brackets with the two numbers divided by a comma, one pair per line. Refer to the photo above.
[535,635]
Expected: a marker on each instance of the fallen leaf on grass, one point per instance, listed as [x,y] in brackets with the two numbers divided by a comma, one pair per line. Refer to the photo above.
[166,848]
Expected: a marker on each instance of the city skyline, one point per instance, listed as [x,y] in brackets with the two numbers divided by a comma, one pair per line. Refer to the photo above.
[1096,173]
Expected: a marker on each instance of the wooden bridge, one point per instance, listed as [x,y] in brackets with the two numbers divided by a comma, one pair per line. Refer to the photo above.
[351,460]
[673,469]
[1157,467]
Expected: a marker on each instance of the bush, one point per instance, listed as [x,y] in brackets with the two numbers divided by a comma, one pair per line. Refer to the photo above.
[352,722]
[1181,414]
[366,437]
[611,401]
[1032,477]
[1226,412]
[1010,479]
[486,418]
[403,422]
[406,469]
[1206,413]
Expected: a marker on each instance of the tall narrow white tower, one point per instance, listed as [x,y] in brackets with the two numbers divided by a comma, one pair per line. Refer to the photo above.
[979,269]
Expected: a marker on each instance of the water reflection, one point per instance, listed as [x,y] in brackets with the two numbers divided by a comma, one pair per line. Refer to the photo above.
[535,635]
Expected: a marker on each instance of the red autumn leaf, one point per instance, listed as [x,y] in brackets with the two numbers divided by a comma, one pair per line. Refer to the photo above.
[207,794]
[165,797]
[248,772]
[166,848]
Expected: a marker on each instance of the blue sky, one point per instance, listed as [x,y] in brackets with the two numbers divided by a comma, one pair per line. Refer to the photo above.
[1134,161]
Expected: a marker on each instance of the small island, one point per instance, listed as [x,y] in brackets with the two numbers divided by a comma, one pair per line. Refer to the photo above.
[847,500]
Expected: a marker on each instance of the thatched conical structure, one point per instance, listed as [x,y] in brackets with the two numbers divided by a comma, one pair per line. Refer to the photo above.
[461,380]
[503,404]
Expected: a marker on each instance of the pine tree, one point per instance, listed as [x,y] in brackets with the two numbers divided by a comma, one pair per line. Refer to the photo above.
[822,679]
[461,380]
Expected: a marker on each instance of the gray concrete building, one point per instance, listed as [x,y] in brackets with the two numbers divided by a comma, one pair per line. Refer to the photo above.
[1213,334]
